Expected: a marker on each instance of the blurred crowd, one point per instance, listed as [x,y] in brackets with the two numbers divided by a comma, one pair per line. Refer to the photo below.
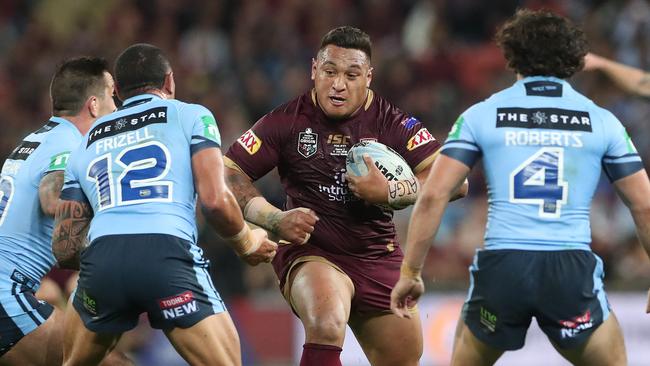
[432,58]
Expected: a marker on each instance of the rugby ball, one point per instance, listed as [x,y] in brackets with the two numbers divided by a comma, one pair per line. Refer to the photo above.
[390,163]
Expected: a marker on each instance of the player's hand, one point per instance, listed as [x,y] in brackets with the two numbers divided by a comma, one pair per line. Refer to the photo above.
[266,250]
[593,62]
[372,187]
[296,225]
[405,295]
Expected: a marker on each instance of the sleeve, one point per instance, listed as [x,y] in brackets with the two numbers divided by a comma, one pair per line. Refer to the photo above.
[621,158]
[257,151]
[408,136]
[204,132]
[461,143]
[71,190]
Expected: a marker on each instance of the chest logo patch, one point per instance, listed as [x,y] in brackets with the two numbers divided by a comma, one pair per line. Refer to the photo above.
[307,143]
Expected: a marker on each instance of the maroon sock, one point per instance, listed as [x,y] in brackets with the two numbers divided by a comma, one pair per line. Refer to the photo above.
[320,355]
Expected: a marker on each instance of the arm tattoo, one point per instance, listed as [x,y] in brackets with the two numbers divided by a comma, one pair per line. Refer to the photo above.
[70,229]
[49,190]
[241,187]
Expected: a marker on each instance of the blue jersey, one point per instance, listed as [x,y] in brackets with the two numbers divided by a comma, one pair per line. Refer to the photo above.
[25,231]
[134,167]
[543,147]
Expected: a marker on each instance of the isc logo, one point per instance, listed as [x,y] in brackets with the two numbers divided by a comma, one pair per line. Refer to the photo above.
[338,139]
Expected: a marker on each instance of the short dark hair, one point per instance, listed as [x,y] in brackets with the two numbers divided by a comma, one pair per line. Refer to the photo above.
[348,37]
[74,81]
[140,67]
[542,43]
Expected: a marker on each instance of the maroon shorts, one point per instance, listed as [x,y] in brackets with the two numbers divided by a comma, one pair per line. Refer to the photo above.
[373,279]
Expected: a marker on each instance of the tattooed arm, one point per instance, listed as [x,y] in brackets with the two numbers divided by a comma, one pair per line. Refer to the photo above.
[294,226]
[49,190]
[71,223]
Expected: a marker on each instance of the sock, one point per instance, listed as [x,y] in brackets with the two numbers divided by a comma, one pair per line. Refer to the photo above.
[320,355]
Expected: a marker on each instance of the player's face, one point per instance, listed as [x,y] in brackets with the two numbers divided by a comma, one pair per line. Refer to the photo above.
[106,102]
[341,79]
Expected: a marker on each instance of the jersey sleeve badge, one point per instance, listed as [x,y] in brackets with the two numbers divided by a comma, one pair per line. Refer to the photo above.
[422,137]
[250,142]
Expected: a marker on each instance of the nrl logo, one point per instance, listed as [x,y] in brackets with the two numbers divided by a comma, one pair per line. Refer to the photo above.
[539,118]
[307,143]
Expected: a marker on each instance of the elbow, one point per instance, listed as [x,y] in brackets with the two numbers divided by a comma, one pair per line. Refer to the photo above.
[215,204]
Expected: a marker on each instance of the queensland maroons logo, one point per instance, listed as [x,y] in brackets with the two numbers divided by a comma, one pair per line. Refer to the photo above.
[307,143]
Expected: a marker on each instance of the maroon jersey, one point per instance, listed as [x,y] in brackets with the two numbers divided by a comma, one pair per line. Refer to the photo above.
[310,150]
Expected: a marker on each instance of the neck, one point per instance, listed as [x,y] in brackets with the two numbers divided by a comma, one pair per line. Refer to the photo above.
[82,123]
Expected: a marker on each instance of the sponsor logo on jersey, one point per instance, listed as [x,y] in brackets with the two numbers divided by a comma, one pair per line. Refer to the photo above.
[339,144]
[544,118]
[307,143]
[544,88]
[178,305]
[24,150]
[339,191]
[131,122]
[250,142]
[422,137]
[409,122]
[210,129]
[456,128]
[59,161]
[575,326]
[89,303]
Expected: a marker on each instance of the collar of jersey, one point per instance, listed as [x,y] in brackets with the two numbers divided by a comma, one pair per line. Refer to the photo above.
[528,79]
[138,98]
[63,121]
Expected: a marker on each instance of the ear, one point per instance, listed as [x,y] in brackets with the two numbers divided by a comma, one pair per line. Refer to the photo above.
[117,92]
[369,77]
[313,68]
[169,85]
[92,106]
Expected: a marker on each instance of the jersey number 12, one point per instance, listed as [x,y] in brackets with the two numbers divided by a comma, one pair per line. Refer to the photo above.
[144,167]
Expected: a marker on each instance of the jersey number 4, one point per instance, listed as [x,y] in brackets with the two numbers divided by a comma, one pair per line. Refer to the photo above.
[6,193]
[539,181]
[143,168]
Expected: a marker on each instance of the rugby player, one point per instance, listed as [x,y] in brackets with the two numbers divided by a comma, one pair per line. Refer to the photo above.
[343,259]
[543,146]
[629,78]
[131,187]
[32,176]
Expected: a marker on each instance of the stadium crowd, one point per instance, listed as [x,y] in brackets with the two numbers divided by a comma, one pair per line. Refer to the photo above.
[242,58]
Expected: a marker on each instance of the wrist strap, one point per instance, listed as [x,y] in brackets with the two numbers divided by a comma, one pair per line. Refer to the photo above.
[243,242]
[260,212]
[406,271]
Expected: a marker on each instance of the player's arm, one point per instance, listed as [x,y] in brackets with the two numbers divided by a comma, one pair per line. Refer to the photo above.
[445,177]
[49,190]
[629,78]
[222,211]
[294,226]
[71,223]
[634,190]
[376,189]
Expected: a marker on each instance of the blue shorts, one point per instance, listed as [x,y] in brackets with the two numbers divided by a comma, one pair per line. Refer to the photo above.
[122,276]
[563,290]
[20,312]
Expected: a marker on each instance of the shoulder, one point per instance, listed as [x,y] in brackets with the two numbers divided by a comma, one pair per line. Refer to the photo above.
[385,110]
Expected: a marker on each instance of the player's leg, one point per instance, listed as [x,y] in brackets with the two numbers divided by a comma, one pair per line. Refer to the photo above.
[470,351]
[84,347]
[211,341]
[40,347]
[389,340]
[604,347]
[321,295]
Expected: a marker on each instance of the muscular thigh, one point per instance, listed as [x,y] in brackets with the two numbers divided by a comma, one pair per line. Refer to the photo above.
[389,340]
[42,346]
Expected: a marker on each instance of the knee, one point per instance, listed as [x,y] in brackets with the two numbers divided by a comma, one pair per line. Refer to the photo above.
[325,330]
